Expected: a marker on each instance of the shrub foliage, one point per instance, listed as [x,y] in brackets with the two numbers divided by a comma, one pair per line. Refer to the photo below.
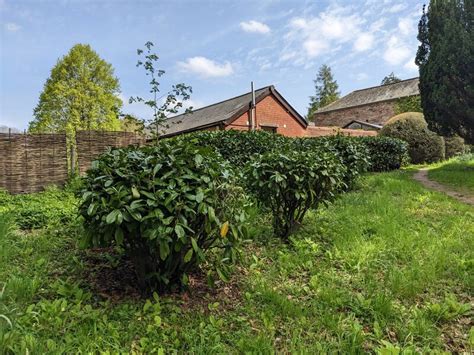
[454,146]
[290,183]
[352,153]
[424,146]
[385,153]
[167,206]
[237,147]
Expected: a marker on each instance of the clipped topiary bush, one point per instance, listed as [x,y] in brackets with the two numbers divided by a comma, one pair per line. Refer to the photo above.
[167,206]
[424,146]
[237,147]
[290,183]
[454,146]
[385,153]
[353,154]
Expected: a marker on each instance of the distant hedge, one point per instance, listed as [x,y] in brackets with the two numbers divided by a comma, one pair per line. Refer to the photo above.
[237,147]
[454,146]
[352,153]
[385,153]
[424,146]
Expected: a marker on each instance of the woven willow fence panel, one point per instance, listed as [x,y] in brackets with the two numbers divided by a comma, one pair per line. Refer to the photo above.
[30,162]
[90,144]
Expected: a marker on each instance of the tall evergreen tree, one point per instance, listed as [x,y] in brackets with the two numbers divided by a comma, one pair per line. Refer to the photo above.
[445,59]
[390,79]
[81,93]
[326,88]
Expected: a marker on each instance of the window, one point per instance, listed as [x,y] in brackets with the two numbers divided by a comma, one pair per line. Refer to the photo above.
[269,129]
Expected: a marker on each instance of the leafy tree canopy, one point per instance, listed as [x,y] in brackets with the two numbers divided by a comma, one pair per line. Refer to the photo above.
[81,93]
[445,59]
[130,123]
[390,79]
[326,88]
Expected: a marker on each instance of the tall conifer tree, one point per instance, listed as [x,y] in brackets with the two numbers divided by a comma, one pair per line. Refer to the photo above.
[326,88]
[446,61]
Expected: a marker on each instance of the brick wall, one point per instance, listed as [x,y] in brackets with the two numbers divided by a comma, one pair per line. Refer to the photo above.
[378,113]
[313,131]
[270,112]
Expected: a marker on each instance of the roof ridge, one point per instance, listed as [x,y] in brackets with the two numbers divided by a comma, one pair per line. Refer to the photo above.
[220,102]
[377,86]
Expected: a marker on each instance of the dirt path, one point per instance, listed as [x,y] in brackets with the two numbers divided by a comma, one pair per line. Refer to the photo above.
[422,176]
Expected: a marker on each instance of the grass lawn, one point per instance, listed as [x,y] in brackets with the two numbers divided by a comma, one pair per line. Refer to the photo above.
[389,266]
[457,173]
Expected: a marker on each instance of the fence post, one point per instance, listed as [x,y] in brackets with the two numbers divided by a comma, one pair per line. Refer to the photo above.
[73,159]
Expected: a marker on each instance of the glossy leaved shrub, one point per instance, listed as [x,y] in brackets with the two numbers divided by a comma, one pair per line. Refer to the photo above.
[424,146]
[352,153]
[290,183]
[385,153]
[237,147]
[171,207]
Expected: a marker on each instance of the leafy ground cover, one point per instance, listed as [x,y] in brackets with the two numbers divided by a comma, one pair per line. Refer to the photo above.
[387,267]
[457,173]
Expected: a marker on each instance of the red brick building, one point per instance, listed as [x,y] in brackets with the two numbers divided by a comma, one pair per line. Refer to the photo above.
[271,112]
[366,109]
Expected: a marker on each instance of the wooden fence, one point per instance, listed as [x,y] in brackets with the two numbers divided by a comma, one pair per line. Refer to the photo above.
[90,144]
[30,162]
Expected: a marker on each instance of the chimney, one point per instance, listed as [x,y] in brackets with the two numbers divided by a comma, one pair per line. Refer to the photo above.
[252,108]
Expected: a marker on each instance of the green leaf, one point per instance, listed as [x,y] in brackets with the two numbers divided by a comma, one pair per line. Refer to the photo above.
[119,236]
[222,275]
[198,159]
[112,216]
[194,244]
[188,255]
[135,192]
[179,231]
[199,196]
[91,209]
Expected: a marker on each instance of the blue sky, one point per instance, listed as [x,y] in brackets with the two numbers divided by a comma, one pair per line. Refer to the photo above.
[217,47]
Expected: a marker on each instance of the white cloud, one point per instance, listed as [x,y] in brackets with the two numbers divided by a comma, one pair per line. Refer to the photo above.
[364,42]
[315,47]
[12,27]
[411,66]
[397,8]
[206,68]
[406,26]
[255,27]
[313,36]
[396,52]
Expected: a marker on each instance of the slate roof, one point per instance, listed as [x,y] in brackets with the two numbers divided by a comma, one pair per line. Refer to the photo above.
[223,112]
[404,88]
[362,123]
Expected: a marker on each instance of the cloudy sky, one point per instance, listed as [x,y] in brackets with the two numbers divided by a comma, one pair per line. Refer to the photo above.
[217,47]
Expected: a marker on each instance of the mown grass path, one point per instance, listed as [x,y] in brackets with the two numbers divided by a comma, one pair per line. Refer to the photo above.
[422,176]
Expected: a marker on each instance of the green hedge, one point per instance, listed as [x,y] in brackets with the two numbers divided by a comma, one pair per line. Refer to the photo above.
[454,146]
[168,206]
[385,153]
[424,146]
[352,153]
[237,147]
